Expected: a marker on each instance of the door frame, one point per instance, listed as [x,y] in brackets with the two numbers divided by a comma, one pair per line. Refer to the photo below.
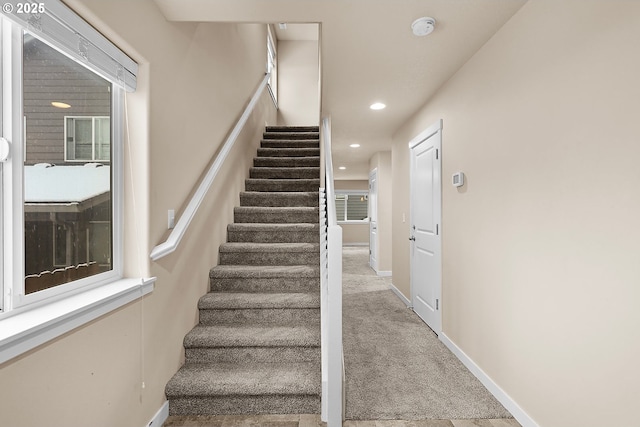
[373,208]
[434,129]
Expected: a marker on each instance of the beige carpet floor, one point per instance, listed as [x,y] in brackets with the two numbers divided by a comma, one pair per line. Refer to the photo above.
[396,367]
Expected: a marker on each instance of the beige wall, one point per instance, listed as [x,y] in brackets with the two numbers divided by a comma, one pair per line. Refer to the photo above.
[298,82]
[193,83]
[540,247]
[382,162]
[351,184]
[354,234]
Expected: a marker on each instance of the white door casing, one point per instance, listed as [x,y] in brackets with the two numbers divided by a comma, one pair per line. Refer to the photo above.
[373,219]
[425,231]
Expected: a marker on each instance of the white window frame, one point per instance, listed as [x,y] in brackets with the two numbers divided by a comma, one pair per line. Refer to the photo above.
[27,321]
[15,287]
[352,193]
[93,138]
[272,64]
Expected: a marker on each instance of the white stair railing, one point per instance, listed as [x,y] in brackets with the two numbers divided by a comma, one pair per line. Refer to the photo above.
[330,294]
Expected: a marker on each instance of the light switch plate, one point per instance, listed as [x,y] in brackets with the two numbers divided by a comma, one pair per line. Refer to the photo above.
[458,179]
[171,219]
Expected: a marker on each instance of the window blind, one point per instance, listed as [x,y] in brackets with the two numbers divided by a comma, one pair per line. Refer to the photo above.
[340,207]
[356,207]
[352,207]
[62,28]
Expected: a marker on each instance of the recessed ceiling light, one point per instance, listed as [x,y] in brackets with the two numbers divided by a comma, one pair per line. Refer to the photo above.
[342,168]
[377,106]
[354,145]
[423,26]
[58,104]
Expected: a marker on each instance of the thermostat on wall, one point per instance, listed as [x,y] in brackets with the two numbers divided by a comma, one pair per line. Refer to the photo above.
[458,179]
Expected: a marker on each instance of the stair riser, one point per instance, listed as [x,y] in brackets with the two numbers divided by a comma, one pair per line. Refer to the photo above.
[280,186]
[229,405]
[292,135]
[284,173]
[252,354]
[304,217]
[272,316]
[288,152]
[271,284]
[275,200]
[287,162]
[274,237]
[269,258]
[281,143]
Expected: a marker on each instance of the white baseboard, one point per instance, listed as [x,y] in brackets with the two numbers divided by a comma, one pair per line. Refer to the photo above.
[518,413]
[383,273]
[160,417]
[400,295]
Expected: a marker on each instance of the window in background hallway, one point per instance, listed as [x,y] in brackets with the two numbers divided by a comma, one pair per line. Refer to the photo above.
[352,206]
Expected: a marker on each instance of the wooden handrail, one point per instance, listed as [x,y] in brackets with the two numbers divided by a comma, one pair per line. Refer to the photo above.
[180,229]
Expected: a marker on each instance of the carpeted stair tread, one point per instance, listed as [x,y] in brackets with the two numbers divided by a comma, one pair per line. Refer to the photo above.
[264,278]
[263,214]
[209,379]
[288,152]
[249,253]
[298,161]
[284,173]
[216,336]
[279,198]
[264,272]
[274,233]
[278,228]
[288,185]
[269,247]
[291,135]
[251,300]
[290,143]
[277,129]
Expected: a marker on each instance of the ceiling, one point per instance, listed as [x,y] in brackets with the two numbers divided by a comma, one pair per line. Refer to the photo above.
[369,54]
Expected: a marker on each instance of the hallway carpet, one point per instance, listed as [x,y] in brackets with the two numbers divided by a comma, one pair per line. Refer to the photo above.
[396,367]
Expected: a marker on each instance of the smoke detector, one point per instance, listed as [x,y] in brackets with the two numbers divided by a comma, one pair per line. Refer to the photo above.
[423,26]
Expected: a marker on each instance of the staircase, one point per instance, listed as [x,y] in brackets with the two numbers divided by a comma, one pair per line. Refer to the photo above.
[256,349]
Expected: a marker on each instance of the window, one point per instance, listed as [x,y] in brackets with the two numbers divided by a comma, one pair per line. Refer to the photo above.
[352,206]
[60,221]
[67,194]
[272,64]
[87,139]
[63,181]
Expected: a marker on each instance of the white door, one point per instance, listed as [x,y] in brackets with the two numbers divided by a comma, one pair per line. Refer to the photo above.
[373,219]
[426,212]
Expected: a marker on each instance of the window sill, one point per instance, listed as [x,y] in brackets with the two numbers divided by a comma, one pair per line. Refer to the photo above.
[27,330]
